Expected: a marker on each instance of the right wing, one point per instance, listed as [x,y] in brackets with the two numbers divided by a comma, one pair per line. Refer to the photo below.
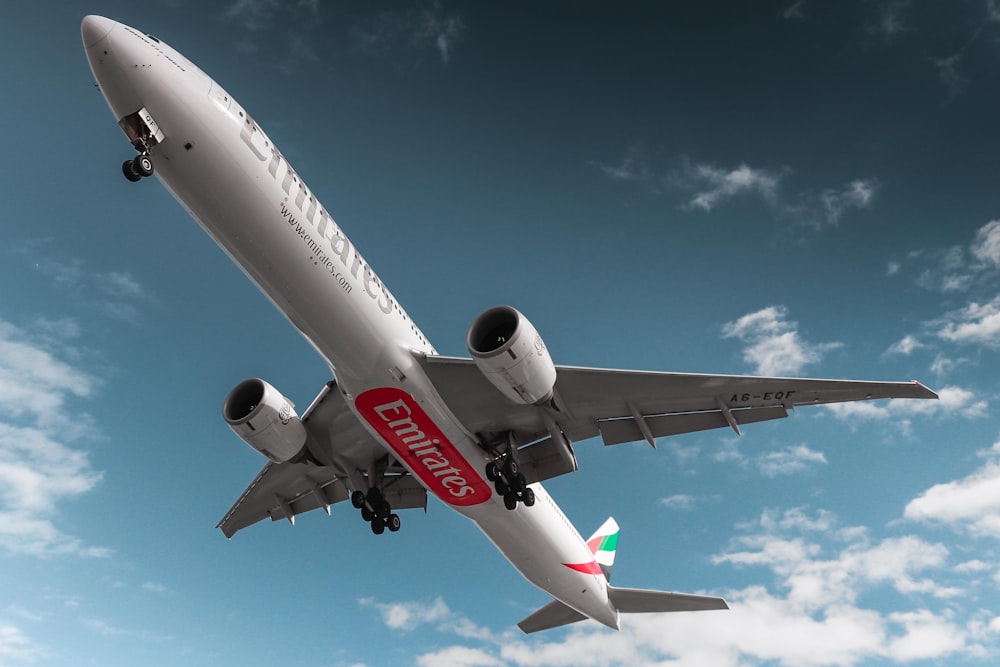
[284,490]
[626,406]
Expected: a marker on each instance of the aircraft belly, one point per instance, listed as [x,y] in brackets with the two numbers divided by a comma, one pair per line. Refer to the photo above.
[250,217]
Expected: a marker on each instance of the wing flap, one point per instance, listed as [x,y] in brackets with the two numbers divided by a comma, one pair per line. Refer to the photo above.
[618,431]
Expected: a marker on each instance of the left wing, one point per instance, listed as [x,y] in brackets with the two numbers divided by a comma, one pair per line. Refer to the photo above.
[335,436]
[625,406]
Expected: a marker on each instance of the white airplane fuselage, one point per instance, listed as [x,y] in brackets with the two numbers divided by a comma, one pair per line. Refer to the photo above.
[231,178]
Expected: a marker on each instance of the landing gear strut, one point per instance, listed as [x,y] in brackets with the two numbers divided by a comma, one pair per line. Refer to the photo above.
[376,510]
[509,481]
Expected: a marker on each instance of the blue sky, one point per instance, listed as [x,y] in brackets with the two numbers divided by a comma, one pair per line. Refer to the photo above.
[797,188]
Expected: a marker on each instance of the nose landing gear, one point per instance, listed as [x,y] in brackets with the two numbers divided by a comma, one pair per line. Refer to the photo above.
[138,168]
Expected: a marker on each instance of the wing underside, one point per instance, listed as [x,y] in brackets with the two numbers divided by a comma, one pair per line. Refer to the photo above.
[341,450]
[627,406]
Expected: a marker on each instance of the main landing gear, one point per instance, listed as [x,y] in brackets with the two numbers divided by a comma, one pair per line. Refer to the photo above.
[376,510]
[138,168]
[509,482]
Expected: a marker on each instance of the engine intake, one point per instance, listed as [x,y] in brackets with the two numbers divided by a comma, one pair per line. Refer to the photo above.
[509,351]
[265,420]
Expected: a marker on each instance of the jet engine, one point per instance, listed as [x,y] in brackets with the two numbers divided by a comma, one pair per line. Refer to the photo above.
[510,353]
[265,420]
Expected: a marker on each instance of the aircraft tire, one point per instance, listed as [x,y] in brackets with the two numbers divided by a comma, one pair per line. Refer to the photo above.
[358,499]
[393,523]
[501,487]
[143,165]
[366,514]
[511,468]
[528,497]
[492,472]
[378,526]
[128,168]
[510,501]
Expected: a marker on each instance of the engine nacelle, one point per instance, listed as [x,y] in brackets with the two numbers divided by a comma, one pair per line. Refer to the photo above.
[265,420]
[510,353]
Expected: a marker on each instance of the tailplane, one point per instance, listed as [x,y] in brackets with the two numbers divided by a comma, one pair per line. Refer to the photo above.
[603,544]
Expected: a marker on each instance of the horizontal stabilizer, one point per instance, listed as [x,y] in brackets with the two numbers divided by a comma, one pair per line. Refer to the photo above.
[637,601]
[550,616]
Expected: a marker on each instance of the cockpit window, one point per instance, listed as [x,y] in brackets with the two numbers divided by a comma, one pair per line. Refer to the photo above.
[152,38]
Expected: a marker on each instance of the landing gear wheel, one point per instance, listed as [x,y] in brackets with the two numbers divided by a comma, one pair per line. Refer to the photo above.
[510,501]
[128,168]
[366,514]
[378,526]
[143,165]
[383,509]
[501,487]
[528,497]
[358,499]
[393,523]
[511,468]
[492,471]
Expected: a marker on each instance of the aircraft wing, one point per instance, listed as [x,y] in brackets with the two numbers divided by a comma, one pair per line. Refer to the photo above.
[284,490]
[626,406]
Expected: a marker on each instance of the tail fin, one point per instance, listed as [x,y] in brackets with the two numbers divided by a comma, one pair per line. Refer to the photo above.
[603,544]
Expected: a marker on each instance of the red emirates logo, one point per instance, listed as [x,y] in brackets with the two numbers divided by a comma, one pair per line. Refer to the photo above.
[422,447]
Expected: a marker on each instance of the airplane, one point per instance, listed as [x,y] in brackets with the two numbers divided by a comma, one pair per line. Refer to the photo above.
[398,421]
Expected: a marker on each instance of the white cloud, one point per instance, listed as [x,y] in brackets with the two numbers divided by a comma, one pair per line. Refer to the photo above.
[793,12]
[889,20]
[680,501]
[17,648]
[459,656]
[926,637]
[107,629]
[772,342]
[986,247]
[40,468]
[255,15]
[969,504]
[409,615]
[826,573]
[683,502]
[412,30]
[632,168]
[906,346]
[788,461]
[951,401]
[975,324]
[715,185]
[858,193]
[949,71]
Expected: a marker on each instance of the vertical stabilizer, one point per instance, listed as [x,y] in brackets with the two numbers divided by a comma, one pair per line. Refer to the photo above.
[603,544]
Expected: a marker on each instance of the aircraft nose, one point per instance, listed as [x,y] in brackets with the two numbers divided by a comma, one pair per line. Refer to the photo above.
[94,29]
